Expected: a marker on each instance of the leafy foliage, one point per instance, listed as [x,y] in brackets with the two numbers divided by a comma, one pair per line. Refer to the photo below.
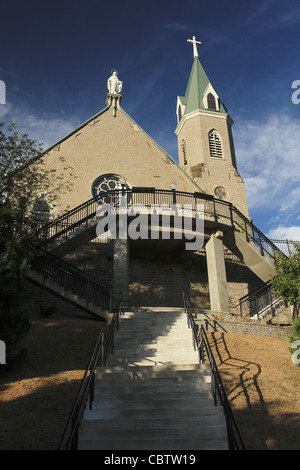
[25,180]
[287,285]
[287,278]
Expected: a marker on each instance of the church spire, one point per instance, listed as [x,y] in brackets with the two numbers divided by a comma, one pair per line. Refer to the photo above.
[200,93]
[205,142]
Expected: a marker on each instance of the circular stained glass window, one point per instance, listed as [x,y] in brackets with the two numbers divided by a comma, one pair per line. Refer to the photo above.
[105,183]
[220,192]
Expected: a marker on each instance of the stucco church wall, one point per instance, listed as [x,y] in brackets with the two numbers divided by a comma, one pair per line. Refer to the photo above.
[115,145]
[215,171]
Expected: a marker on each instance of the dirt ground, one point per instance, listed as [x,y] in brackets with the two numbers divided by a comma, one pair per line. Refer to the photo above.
[37,396]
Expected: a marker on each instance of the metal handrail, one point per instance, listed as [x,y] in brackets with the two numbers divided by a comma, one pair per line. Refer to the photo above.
[201,343]
[215,208]
[257,301]
[103,348]
[69,277]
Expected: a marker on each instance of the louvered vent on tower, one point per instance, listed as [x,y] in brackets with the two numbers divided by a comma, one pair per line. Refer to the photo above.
[215,144]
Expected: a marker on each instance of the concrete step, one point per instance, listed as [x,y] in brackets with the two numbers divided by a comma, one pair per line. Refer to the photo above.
[154,359]
[153,332]
[151,338]
[133,362]
[171,343]
[138,423]
[187,378]
[182,443]
[206,409]
[171,382]
[215,430]
[154,394]
[148,336]
[166,382]
[152,317]
[137,395]
[146,348]
[154,371]
[169,403]
[139,388]
[138,310]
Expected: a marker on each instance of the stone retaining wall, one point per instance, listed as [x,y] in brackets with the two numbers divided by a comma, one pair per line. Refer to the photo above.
[245,328]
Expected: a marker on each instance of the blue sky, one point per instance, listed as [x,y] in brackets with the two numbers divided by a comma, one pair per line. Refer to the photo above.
[55,58]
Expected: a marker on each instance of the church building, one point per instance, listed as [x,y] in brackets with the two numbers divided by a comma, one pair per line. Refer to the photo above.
[111,156]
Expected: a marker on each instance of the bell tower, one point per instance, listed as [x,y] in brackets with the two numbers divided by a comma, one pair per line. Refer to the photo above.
[205,142]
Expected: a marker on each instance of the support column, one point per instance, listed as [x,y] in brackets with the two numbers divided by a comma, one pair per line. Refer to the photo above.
[121,269]
[219,299]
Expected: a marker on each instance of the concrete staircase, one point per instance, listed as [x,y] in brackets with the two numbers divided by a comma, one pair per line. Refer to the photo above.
[154,394]
[246,251]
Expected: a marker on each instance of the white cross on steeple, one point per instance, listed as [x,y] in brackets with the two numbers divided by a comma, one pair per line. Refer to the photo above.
[194,45]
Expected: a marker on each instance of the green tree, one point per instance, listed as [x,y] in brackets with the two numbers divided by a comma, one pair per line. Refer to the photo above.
[287,285]
[25,179]
[287,278]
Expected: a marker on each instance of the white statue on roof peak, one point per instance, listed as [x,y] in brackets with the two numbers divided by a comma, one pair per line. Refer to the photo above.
[114,85]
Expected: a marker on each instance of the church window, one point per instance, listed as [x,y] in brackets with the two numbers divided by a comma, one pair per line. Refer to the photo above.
[220,192]
[183,149]
[211,102]
[105,183]
[179,114]
[41,210]
[215,144]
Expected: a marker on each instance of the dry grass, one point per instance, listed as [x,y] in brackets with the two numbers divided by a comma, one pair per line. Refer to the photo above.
[37,396]
[262,384]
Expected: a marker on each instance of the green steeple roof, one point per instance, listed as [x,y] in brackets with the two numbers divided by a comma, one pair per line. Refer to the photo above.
[197,84]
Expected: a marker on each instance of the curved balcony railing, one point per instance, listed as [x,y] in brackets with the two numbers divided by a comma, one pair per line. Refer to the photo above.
[212,208]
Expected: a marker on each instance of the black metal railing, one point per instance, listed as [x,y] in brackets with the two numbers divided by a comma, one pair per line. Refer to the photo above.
[201,343]
[69,277]
[258,302]
[286,246]
[85,396]
[199,203]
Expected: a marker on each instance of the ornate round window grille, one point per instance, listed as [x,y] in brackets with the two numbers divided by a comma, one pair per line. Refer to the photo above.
[220,192]
[104,186]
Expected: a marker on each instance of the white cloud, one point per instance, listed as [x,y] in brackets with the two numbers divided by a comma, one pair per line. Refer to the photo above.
[285,233]
[45,128]
[175,26]
[268,154]
[275,15]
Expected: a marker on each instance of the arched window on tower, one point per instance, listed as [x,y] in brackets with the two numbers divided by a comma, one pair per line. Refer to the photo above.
[211,101]
[215,144]
[179,113]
